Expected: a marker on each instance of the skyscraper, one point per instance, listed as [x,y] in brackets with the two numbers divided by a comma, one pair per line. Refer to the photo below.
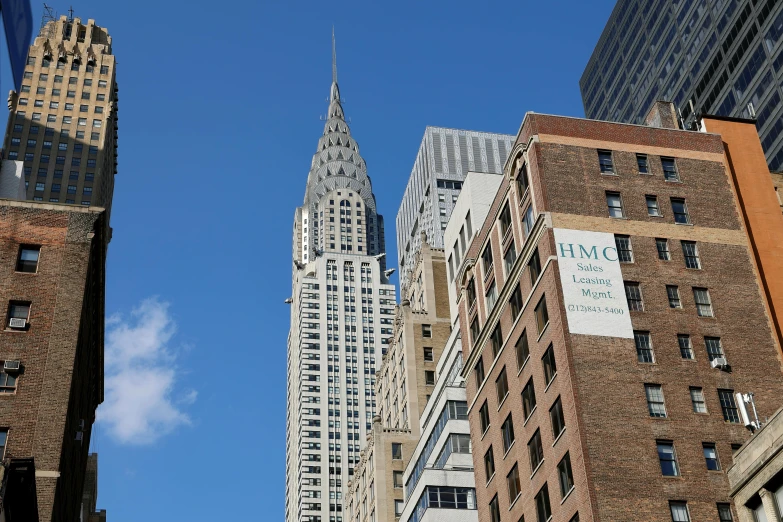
[722,57]
[63,123]
[444,159]
[342,312]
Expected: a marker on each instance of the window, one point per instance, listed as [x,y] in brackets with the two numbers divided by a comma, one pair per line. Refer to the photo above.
[486,259]
[542,316]
[522,181]
[652,206]
[40,186]
[673,293]
[615,204]
[505,221]
[528,221]
[556,416]
[543,509]
[97,123]
[644,352]
[714,348]
[496,340]
[489,463]
[668,459]
[711,456]
[428,355]
[697,400]
[655,404]
[509,257]
[522,349]
[669,169]
[71,189]
[605,161]
[426,330]
[7,385]
[484,417]
[565,475]
[535,450]
[528,399]
[548,361]
[398,505]
[663,249]
[82,122]
[54,105]
[104,69]
[701,297]
[728,406]
[479,369]
[3,440]
[514,484]
[516,302]
[724,513]
[691,254]
[429,377]
[686,348]
[641,163]
[535,267]
[501,385]
[471,290]
[680,210]
[624,249]
[27,261]
[18,310]
[38,103]
[396,451]
[507,429]
[679,511]
[633,294]
[494,510]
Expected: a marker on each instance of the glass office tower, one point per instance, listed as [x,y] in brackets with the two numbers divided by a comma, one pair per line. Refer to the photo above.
[715,56]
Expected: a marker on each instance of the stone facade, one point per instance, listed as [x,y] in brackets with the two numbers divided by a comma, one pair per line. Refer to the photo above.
[48,412]
[612,442]
[63,125]
[756,476]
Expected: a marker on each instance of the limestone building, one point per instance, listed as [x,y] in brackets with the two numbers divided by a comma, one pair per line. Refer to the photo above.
[63,123]
[444,159]
[602,362]
[342,312]
[756,474]
[405,382]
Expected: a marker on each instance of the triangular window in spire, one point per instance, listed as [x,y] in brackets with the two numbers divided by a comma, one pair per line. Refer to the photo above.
[341,172]
[328,172]
[340,155]
[339,141]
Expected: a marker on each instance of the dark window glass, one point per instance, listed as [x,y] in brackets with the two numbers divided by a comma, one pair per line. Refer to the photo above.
[535,267]
[497,340]
[548,361]
[728,406]
[633,294]
[528,398]
[669,169]
[542,316]
[565,475]
[655,403]
[556,416]
[522,349]
[543,509]
[605,162]
[479,372]
[514,484]
[507,429]
[668,459]
[644,351]
[484,417]
[27,261]
[489,463]
[535,450]
[624,250]
[501,385]
[641,162]
[711,456]
[680,210]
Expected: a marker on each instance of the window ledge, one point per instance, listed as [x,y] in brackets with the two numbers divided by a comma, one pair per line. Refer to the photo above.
[568,494]
[550,382]
[615,174]
[530,416]
[684,224]
[560,436]
[502,402]
[485,432]
[543,331]
[537,468]
[513,503]
[509,449]
[524,364]
[490,478]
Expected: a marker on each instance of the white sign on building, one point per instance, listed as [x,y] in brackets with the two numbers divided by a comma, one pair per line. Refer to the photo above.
[593,290]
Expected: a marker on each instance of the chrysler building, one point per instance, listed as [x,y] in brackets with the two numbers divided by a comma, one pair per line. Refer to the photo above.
[342,312]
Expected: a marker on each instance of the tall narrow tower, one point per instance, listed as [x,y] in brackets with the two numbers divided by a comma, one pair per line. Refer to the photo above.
[341,318]
[63,123]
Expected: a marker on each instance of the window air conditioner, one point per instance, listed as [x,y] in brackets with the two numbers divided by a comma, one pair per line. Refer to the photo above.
[720,362]
[12,366]
[17,322]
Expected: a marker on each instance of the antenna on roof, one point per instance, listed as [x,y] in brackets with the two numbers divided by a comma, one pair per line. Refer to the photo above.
[49,15]
[334,59]
[70,14]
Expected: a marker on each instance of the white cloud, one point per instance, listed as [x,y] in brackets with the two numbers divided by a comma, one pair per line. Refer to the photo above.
[141,374]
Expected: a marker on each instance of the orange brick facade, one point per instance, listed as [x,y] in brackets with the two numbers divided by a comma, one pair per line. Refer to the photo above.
[610,437]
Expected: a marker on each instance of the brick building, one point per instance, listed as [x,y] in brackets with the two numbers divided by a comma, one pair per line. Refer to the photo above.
[609,309]
[52,270]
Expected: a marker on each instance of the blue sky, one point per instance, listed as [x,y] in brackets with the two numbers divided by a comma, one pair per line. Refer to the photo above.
[218,121]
